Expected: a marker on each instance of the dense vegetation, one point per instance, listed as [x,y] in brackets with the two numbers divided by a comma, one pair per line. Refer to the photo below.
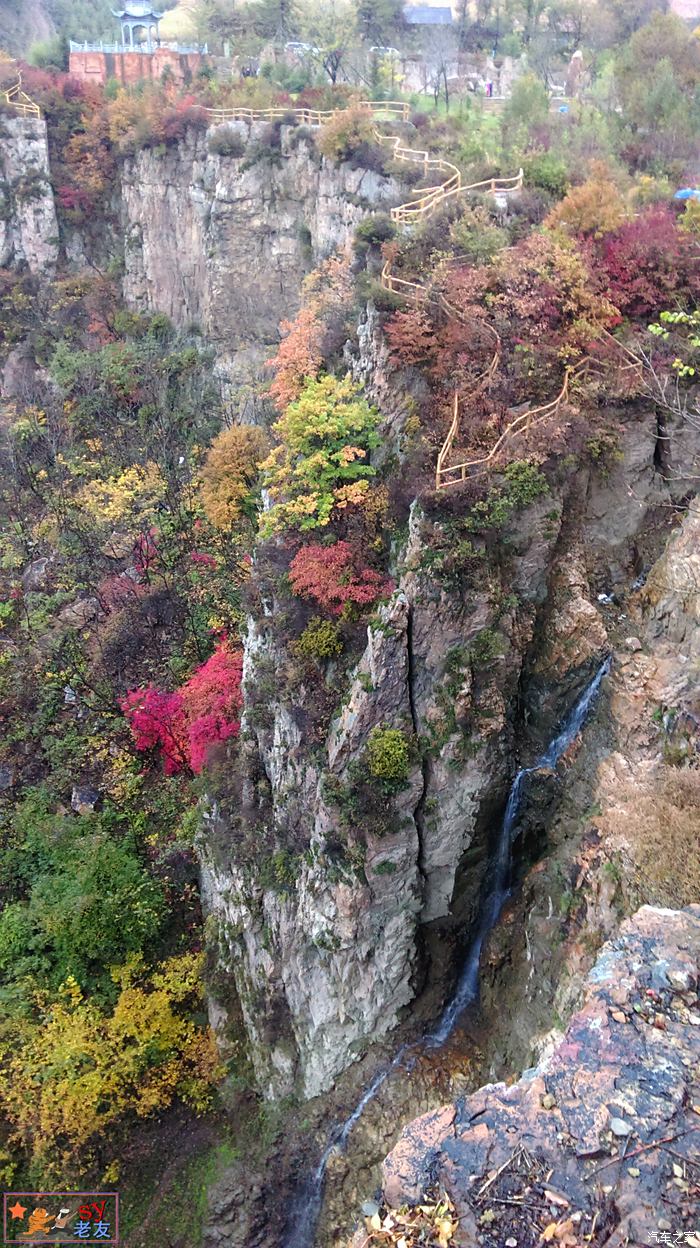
[130,512]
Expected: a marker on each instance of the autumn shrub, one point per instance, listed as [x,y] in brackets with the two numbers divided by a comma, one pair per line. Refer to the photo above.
[335,578]
[227,141]
[412,338]
[228,475]
[594,208]
[69,1088]
[120,590]
[548,298]
[389,757]
[321,462]
[320,641]
[649,264]
[346,134]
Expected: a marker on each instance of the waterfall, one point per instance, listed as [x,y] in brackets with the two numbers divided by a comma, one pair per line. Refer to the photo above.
[497,890]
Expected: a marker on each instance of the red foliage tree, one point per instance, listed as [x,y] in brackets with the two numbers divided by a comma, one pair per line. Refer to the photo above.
[298,357]
[183,726]
[651,264]
[334,578]
[212,700]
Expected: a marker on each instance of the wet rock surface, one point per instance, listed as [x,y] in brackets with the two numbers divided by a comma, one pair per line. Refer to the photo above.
[603,1136]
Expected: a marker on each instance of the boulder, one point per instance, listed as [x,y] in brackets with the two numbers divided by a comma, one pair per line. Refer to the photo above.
[84,799]
[592,1117]
[78,614]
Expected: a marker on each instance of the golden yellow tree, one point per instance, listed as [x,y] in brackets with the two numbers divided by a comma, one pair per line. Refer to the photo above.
[229,473]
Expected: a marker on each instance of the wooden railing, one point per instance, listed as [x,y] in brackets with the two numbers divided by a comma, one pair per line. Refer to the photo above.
[452,474]
[427,201]
[388,109]
[20,101]
[432,197]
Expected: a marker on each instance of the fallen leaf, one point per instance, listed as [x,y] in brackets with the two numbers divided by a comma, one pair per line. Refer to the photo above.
[375,1222]
[548,1232]
[555,1199]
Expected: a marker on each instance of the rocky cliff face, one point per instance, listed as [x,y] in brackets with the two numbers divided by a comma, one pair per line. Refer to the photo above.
[476,662]
[223,243]
[28,224]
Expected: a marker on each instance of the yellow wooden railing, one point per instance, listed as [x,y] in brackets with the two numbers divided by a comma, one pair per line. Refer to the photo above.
[451,474]
[20,101]
[387,109]
[427,200]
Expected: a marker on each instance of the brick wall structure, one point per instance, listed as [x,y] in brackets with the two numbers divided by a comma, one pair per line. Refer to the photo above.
[131,67]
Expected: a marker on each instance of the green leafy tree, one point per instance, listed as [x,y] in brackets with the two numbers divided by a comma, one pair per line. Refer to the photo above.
[321,463]
[527,108]
[658,80]
[89,901]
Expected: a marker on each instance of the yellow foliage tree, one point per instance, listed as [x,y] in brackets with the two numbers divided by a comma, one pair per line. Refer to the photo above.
[68,1085]
[229,473]
[134,492]
[594,208]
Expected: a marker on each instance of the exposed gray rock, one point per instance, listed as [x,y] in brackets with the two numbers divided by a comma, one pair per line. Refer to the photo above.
[225,247]
[35,577]
[605,1063]
[28,224]
[84,799]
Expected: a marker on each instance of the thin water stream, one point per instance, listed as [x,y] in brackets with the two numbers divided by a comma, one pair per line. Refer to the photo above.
[498,886]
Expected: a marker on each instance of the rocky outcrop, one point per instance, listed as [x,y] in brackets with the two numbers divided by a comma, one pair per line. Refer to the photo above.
[223,243]
[328,920]
[601,1135]
[28,224]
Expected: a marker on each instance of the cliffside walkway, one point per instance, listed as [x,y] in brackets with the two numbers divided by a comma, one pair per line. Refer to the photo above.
[18,100]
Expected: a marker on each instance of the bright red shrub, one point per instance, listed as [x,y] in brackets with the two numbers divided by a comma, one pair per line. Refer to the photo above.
[213,699]
[651,264]
[157,721]
[334,578]
[184,725]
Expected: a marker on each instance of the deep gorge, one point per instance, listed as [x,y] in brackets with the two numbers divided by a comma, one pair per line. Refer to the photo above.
[337,908]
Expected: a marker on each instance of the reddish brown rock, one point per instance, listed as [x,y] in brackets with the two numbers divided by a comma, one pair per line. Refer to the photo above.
[615,1182]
